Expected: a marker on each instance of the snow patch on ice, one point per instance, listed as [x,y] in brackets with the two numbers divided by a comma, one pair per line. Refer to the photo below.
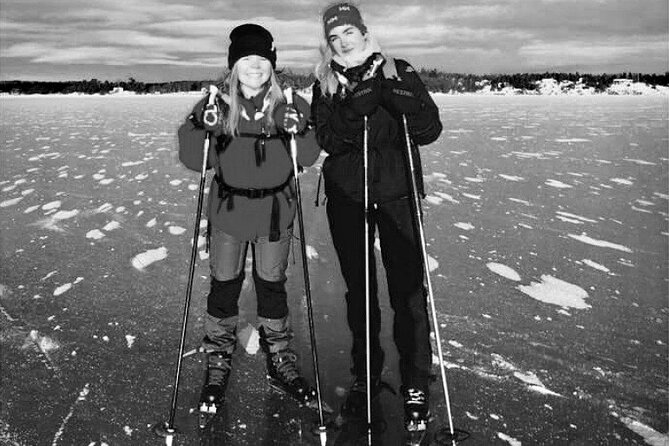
[10,202]
[596,265]
[432,263]
[512,441]
[602,243]
[62,289]
[556,292]
[446,197]
[111,226]
[464,226]
[543,390]
[44,343]
[176,230]
[529,378]
[131,163]
[474,180]
[52,205]
[649,435]
[104,208]
[577,217]
[572,140]
[130,339]
[503,271]
[434,200]
[622,181]
[144,259]
[250,339]
[312,254]
[510,177]
[518,200]
[95,234]
[558,184]
[64,215]
[640,162]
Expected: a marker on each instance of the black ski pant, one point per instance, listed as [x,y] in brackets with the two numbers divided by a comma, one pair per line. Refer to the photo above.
[400,252]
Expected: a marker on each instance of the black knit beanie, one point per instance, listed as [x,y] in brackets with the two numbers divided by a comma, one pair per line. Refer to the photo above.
[250,39]
[342,14]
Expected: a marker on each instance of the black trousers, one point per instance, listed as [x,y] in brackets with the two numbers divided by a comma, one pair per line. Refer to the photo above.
[400,252]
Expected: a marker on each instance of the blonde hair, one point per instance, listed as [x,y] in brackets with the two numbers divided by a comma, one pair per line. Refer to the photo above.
[274,97]
[324,72]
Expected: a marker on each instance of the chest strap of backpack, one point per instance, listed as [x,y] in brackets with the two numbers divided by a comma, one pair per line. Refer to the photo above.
[227,193]
[259,146]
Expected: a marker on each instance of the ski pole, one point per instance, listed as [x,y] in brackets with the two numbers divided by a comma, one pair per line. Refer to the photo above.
[421,232]
[167,429]
[368,347]
[322,431]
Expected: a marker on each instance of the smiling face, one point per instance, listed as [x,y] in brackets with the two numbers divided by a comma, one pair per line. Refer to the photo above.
[253,72]
[347,41]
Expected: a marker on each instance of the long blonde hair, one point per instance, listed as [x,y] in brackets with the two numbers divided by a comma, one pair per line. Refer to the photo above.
[273,97]
[324,72]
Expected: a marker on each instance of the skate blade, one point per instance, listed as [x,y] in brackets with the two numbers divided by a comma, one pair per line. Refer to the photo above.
[313,405]
[416,438]
[309,404]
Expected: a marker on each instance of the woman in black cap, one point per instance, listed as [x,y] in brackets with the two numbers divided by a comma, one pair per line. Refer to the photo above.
[251,201]
[349,88]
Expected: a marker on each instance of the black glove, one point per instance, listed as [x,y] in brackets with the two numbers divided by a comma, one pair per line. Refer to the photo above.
[365,98]
[289,119]
[209,116]
[398,98]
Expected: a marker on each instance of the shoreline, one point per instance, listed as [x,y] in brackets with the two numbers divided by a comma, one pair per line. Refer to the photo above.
[653,93]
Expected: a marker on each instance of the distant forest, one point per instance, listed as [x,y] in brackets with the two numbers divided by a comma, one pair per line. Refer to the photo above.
[435,81]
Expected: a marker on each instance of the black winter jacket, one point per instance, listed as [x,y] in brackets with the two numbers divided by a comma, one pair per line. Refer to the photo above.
[342,138]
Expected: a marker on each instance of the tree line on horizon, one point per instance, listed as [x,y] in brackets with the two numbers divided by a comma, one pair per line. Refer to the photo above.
[435,81]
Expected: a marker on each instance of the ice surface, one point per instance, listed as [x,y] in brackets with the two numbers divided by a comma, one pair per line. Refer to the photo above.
[504,189]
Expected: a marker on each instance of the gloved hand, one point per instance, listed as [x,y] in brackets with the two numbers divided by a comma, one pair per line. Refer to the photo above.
[209,116]
[398,98]
[365,98]
[289,119]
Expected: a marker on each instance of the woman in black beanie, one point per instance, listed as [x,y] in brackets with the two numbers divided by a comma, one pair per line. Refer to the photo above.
[348,91]
[251,201]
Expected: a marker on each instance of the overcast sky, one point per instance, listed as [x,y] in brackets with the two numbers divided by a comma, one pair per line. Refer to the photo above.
[158,40]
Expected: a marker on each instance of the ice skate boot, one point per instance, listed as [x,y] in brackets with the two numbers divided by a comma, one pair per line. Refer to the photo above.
[355,406]
[284,376]
[416,415]
[219,365]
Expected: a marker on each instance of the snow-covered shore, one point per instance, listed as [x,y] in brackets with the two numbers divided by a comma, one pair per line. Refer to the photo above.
[544,87]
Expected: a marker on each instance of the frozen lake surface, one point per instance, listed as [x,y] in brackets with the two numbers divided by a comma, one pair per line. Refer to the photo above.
[547,220]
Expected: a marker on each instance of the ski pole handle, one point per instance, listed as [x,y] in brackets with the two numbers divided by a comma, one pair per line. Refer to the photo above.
[288,92]
[210,116]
